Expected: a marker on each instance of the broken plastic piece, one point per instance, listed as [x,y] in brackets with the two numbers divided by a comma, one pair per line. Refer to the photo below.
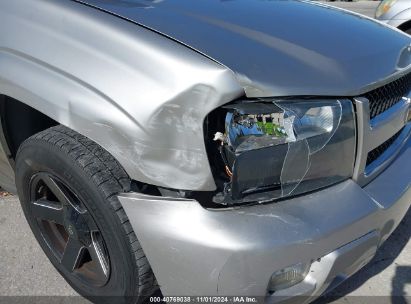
[219,137]
[288,147]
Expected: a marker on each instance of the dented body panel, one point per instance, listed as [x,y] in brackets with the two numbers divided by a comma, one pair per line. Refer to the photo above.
[143,97]
[140,77]
[139,95]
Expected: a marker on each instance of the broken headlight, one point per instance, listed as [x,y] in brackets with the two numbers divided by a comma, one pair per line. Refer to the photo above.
[283,148]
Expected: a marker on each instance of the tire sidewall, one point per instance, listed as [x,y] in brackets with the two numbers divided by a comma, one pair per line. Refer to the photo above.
[40,156]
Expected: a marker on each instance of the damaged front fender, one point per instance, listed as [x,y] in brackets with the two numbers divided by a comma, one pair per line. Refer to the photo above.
[141,96]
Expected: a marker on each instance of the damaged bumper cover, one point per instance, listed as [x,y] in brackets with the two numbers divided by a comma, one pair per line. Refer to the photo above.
[195,251]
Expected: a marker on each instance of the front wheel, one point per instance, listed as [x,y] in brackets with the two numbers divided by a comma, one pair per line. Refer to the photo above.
[67,187]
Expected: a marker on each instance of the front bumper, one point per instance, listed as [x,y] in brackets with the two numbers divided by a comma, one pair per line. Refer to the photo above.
[233,252]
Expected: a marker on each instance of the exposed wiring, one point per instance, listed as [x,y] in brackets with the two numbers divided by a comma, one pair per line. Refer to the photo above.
[227,168]
[222,138]
[228,172]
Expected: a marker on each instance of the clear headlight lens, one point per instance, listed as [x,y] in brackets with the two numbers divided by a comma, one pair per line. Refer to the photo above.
[284,148]
[384,7]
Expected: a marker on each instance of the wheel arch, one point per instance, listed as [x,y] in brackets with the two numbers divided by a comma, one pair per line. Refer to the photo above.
[406,25]
[33,90]
[18,122]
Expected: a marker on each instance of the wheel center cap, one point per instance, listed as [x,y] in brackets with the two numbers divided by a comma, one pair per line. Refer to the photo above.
[76,226]
[70,230]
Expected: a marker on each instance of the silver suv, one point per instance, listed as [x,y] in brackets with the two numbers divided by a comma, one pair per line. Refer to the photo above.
[204,148]
[396,13]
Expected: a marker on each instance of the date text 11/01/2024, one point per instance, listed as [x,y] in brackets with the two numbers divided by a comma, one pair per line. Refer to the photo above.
[205,299]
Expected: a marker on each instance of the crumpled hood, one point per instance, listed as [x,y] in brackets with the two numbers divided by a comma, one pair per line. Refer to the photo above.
[278,48]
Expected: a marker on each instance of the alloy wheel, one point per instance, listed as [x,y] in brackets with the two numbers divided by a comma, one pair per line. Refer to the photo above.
[69,230]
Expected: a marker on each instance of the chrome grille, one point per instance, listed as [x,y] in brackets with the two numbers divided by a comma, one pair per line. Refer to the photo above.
[389,131]
[383,98]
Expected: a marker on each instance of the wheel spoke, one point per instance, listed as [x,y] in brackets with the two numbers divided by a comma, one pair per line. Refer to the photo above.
[71,254]
[46,211]
[90,223]
[56,189]
[99,258]
[69,229]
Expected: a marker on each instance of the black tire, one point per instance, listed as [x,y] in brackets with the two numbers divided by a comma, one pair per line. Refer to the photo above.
[81,166]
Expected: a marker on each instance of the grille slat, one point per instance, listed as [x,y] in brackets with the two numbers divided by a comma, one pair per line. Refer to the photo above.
[383,98]
[380,100]
[377,152]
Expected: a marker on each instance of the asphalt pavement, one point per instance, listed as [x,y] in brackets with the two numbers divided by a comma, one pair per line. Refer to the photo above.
[25,271]
[24,268]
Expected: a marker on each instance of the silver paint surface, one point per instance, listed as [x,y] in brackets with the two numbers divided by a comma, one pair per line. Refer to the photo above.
[143,97]
[277,48]
[139,95]
[194,251]
[398,14]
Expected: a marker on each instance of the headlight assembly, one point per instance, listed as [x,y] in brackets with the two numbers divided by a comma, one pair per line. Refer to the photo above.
[384,7]
[282,148]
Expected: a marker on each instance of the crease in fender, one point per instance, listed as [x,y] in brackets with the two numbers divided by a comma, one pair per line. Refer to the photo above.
[73,79]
